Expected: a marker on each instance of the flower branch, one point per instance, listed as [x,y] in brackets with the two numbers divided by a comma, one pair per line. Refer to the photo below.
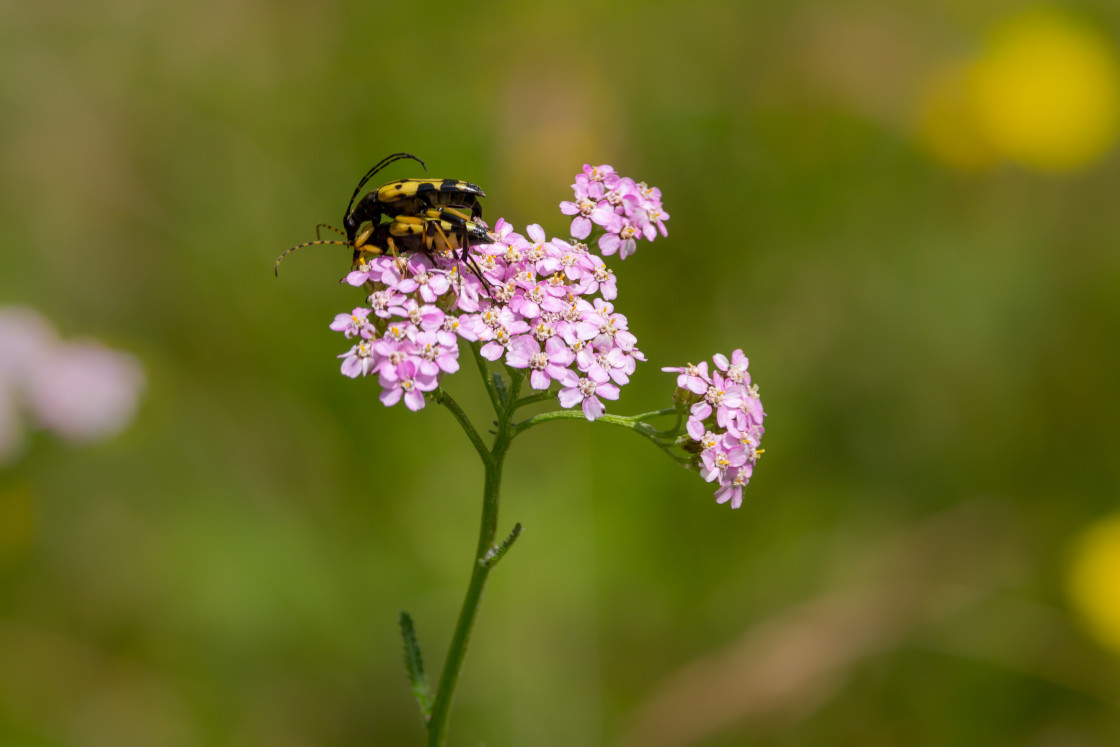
[544,308]
[445,399]
[628,422]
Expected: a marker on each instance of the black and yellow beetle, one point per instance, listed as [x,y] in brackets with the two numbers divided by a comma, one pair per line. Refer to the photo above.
[437,231]
[408,197]
[425,215]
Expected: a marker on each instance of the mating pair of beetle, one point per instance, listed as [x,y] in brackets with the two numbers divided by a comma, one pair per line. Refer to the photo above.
[425,215]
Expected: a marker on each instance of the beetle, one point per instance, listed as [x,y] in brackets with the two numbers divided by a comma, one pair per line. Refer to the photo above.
[408,197]
[423,213]
[437,231]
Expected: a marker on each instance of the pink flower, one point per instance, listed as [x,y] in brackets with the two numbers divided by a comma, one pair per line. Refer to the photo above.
[624,197]
[360,275]
[600,280]
[434,357]
[725,420]
[604,326]
[431,283]
[721,397]
[359,360]
[453,325]
[732,484]
[383,301]
[497,327]
[655,212]
[354,324]
[627,237]
[612,365]
[597,173]
[655,220]
[573,263]
[407,381]
[525,352]
[426,317]
[587,392]
[716,460]
[752,406]
[604,214]
[693,378]
[587,195]
[736,368]
[503,232]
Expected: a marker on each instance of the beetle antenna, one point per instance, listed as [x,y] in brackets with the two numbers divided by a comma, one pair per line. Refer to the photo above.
[327,225]
[382,164]
[276,268]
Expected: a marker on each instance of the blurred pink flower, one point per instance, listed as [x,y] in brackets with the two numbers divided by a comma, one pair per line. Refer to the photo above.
[84,391]
[81,391]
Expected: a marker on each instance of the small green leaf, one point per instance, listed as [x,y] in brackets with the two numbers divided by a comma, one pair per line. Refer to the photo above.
[500,386]
[491,558]
[414,663]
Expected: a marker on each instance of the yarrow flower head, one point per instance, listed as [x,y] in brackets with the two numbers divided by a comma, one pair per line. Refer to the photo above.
[540,305]
[545,307]
[724,426]
[625,209]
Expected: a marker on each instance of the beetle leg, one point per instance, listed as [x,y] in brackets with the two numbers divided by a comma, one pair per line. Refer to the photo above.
[462,252]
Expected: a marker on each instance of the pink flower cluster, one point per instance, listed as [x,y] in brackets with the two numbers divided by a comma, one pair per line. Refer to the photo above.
[545,307]
[724,422]
[81,391]
[625,209]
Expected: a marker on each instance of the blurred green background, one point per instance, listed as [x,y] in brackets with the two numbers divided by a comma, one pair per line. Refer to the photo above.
[906,216]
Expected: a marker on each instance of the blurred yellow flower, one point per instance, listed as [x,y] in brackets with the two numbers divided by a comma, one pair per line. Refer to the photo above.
[1044,92]
[1047,92]
[1094,580]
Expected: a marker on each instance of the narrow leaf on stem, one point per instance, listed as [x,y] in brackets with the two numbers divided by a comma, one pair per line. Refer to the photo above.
[414,663]
[499,385]
[491,558]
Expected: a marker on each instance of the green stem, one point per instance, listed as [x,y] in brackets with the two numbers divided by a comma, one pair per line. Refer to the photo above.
[445,399]
[655,414]
[631,422]
[484,370]
[536,397]
[668,432]
[480,569]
